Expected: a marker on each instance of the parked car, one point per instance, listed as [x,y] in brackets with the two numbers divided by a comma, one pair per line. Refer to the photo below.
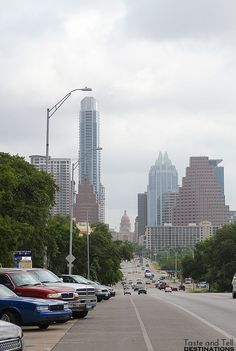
[29,311]
[101,292]
[234,286]
[174,288]
[168,289]
[11,337]
[87,298]
[24,284]
[142,290]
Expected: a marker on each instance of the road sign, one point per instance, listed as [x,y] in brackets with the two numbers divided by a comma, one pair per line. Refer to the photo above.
[70,258]
[23,253]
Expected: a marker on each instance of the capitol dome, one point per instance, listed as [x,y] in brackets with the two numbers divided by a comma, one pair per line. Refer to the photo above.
[125,224]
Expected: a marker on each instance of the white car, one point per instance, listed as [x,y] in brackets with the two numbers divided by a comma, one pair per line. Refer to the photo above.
[234,287]
[168,289]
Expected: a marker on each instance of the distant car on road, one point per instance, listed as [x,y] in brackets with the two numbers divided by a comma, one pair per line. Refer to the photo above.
[11,337]
[182,287]
[168,289]
[142,290]
[203,285]
[138,284]
[127,291]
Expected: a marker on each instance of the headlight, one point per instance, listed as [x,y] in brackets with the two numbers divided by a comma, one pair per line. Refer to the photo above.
[42,308]
[66,306]
[53,296]
[98,290]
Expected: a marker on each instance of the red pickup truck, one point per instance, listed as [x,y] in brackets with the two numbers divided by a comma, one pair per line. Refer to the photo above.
[24,284]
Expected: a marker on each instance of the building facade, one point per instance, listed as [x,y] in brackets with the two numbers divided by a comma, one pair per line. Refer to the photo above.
[141,220]
[176,237]
[86,209]
[163,178]
[60,168]
[90,151]
[200,197]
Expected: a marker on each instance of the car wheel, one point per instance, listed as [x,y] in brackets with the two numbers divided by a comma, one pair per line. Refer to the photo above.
[43,326]
[234,294]
[80,314]
[10,317]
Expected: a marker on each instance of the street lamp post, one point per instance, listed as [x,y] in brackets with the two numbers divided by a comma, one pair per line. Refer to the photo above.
[71,257]
[88,253]
[50,113]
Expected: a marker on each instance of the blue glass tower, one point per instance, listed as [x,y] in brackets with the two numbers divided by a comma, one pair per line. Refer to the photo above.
[163,178]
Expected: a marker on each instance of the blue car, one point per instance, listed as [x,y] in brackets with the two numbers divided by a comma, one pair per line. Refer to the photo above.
[31,311]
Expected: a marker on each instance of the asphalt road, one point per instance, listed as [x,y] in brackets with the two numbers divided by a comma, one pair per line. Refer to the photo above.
[157,321]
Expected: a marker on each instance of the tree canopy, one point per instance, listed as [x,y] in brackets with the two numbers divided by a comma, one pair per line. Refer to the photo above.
[26,196]
[214,260]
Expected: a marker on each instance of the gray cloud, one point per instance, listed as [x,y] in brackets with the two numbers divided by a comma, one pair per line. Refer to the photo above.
[171,19]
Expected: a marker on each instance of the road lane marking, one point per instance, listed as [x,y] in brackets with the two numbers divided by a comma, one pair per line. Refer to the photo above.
[209,324]
[144,332]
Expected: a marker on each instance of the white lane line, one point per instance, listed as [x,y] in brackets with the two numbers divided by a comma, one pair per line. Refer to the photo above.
[213,326]
[145,334]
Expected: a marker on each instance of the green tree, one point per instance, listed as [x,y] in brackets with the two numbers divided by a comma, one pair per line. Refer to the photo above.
[215,259]
[26,196]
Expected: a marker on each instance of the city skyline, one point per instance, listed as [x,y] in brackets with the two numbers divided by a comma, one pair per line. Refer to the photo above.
[164,77]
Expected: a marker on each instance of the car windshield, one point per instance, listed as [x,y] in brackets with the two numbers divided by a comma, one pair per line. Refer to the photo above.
[80,279]
[45,276]
[24,279]
[5,292]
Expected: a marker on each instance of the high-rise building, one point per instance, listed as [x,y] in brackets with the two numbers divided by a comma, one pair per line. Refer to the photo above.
[163,178]
[165,204]
[89,152]
[60,168]
[142,213]
[86,207]
[201,196]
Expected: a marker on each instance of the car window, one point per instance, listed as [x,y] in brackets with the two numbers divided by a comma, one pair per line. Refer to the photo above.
[23,279]
[5,280]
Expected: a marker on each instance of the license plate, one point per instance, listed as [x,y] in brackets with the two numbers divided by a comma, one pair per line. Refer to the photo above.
[88,306]
[71,305]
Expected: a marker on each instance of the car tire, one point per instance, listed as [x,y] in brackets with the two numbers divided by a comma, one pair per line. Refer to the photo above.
[233,294]
[43,326]
[10,317]
[80,314]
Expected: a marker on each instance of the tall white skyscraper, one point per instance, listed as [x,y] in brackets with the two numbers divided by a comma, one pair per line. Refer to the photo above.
[163,178]
[89,154]
[60,168]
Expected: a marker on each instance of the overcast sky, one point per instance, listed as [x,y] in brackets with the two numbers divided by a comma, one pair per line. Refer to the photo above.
[163,73]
